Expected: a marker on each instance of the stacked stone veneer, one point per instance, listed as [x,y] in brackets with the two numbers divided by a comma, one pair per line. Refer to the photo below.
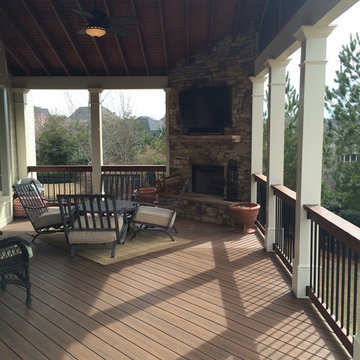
[228,63]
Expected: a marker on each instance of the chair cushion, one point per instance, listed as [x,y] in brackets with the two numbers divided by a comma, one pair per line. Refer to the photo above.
[155,215]
[48,219]
[89,235]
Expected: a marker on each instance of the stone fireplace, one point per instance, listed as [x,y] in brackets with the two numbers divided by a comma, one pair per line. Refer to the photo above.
[205,157]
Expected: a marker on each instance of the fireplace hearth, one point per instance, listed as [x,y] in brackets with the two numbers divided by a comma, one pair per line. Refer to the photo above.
[208,179]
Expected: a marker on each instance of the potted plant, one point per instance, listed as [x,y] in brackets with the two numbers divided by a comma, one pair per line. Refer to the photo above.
[243,215]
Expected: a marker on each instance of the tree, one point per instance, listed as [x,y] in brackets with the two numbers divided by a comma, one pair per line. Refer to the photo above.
[122,139]
[154,151]
[343,127]
[54,146]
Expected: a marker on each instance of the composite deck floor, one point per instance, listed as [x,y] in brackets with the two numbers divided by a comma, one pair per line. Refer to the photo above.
[219,297]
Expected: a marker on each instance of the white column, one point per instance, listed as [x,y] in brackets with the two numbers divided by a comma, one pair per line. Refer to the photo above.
[96,137]
[275,138]
[310,145]
[22,131]
[5,148]
[257,124]
[167,125]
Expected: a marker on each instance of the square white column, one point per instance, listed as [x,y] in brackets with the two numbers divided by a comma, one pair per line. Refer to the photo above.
[275,139]
[257,126]
[310,145]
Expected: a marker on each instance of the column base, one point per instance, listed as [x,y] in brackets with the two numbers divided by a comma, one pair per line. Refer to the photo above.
[300,280]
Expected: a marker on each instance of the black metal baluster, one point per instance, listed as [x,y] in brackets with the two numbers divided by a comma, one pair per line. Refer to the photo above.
[355,305]
[337,290]
[311,255]
[327,268]
[322,265]
[342,309]
[332,302]
[348,304]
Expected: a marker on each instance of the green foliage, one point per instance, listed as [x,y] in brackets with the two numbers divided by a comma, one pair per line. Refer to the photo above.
[63,143]
[154,151]
[122,139]
[342,131]
[291,132]
[54,147]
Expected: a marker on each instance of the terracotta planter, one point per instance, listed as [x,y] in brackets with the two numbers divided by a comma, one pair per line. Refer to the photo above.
[243,215]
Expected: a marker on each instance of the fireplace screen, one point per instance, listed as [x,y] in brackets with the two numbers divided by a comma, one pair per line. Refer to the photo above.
[208,179]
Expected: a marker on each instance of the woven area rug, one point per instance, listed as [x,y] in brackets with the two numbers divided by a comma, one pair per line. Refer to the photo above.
[144,243]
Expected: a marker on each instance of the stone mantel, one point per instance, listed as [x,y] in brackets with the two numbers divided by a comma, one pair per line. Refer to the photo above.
[206,138]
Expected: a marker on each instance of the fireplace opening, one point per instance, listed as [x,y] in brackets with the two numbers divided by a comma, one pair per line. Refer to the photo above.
[208,179]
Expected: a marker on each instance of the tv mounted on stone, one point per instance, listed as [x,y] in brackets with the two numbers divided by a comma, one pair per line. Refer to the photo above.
[205,110]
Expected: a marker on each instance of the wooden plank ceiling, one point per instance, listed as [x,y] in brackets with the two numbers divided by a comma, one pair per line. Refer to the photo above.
[41,36]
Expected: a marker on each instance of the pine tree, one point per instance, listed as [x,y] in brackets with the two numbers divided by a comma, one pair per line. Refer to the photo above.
[343,128]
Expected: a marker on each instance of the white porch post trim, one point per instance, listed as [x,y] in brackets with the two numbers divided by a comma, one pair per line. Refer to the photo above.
[167,126]
[5,146]
[22,143]
[96,137]
[257,124]
[310,145]
[275,139]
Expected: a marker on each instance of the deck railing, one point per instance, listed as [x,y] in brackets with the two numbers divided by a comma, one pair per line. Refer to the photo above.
[334,253]
[334,278]
[68,179]
[285,224]
[261,200]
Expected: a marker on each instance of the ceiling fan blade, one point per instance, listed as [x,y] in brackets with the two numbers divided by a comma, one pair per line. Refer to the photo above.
[124,20]
[119,30]
[81,31]
[84,13]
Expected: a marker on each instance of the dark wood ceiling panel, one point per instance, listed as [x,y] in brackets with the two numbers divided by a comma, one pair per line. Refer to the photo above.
[174,14]
[198,24]
[152,37]
[41,36]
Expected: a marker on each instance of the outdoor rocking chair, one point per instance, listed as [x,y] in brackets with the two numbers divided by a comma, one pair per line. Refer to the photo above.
[44,219]
[14,264]
[149,217]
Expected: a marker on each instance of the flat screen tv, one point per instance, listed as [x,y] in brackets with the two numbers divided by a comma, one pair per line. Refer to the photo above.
[205,110]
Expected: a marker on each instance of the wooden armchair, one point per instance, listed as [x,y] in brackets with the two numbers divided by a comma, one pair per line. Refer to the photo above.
[14,264]
[92,219]
[122,186]
[149,217]
[42,218]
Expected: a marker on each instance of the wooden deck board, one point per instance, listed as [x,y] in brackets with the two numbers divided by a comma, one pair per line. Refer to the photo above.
[219,297]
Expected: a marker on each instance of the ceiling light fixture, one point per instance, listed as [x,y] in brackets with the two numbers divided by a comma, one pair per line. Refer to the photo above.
[95,31]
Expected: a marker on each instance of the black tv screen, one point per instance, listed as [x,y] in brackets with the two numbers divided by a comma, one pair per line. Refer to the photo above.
[205,110]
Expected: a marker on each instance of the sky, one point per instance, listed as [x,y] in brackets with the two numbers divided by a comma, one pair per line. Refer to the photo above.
[152,102]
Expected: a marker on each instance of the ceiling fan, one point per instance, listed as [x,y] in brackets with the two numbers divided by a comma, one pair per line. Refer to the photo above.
[98,23]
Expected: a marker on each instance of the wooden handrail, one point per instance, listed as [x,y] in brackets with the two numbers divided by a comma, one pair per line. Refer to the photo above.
[335,225]
[88,168]
[60,168]
[260,178]
[285,194]
[133,168]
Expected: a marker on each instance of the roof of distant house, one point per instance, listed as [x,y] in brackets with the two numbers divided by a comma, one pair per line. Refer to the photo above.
[150,123]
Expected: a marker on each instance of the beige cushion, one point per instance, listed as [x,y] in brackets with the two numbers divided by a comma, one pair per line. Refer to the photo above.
[90,236]
[155,215]
[52,217]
